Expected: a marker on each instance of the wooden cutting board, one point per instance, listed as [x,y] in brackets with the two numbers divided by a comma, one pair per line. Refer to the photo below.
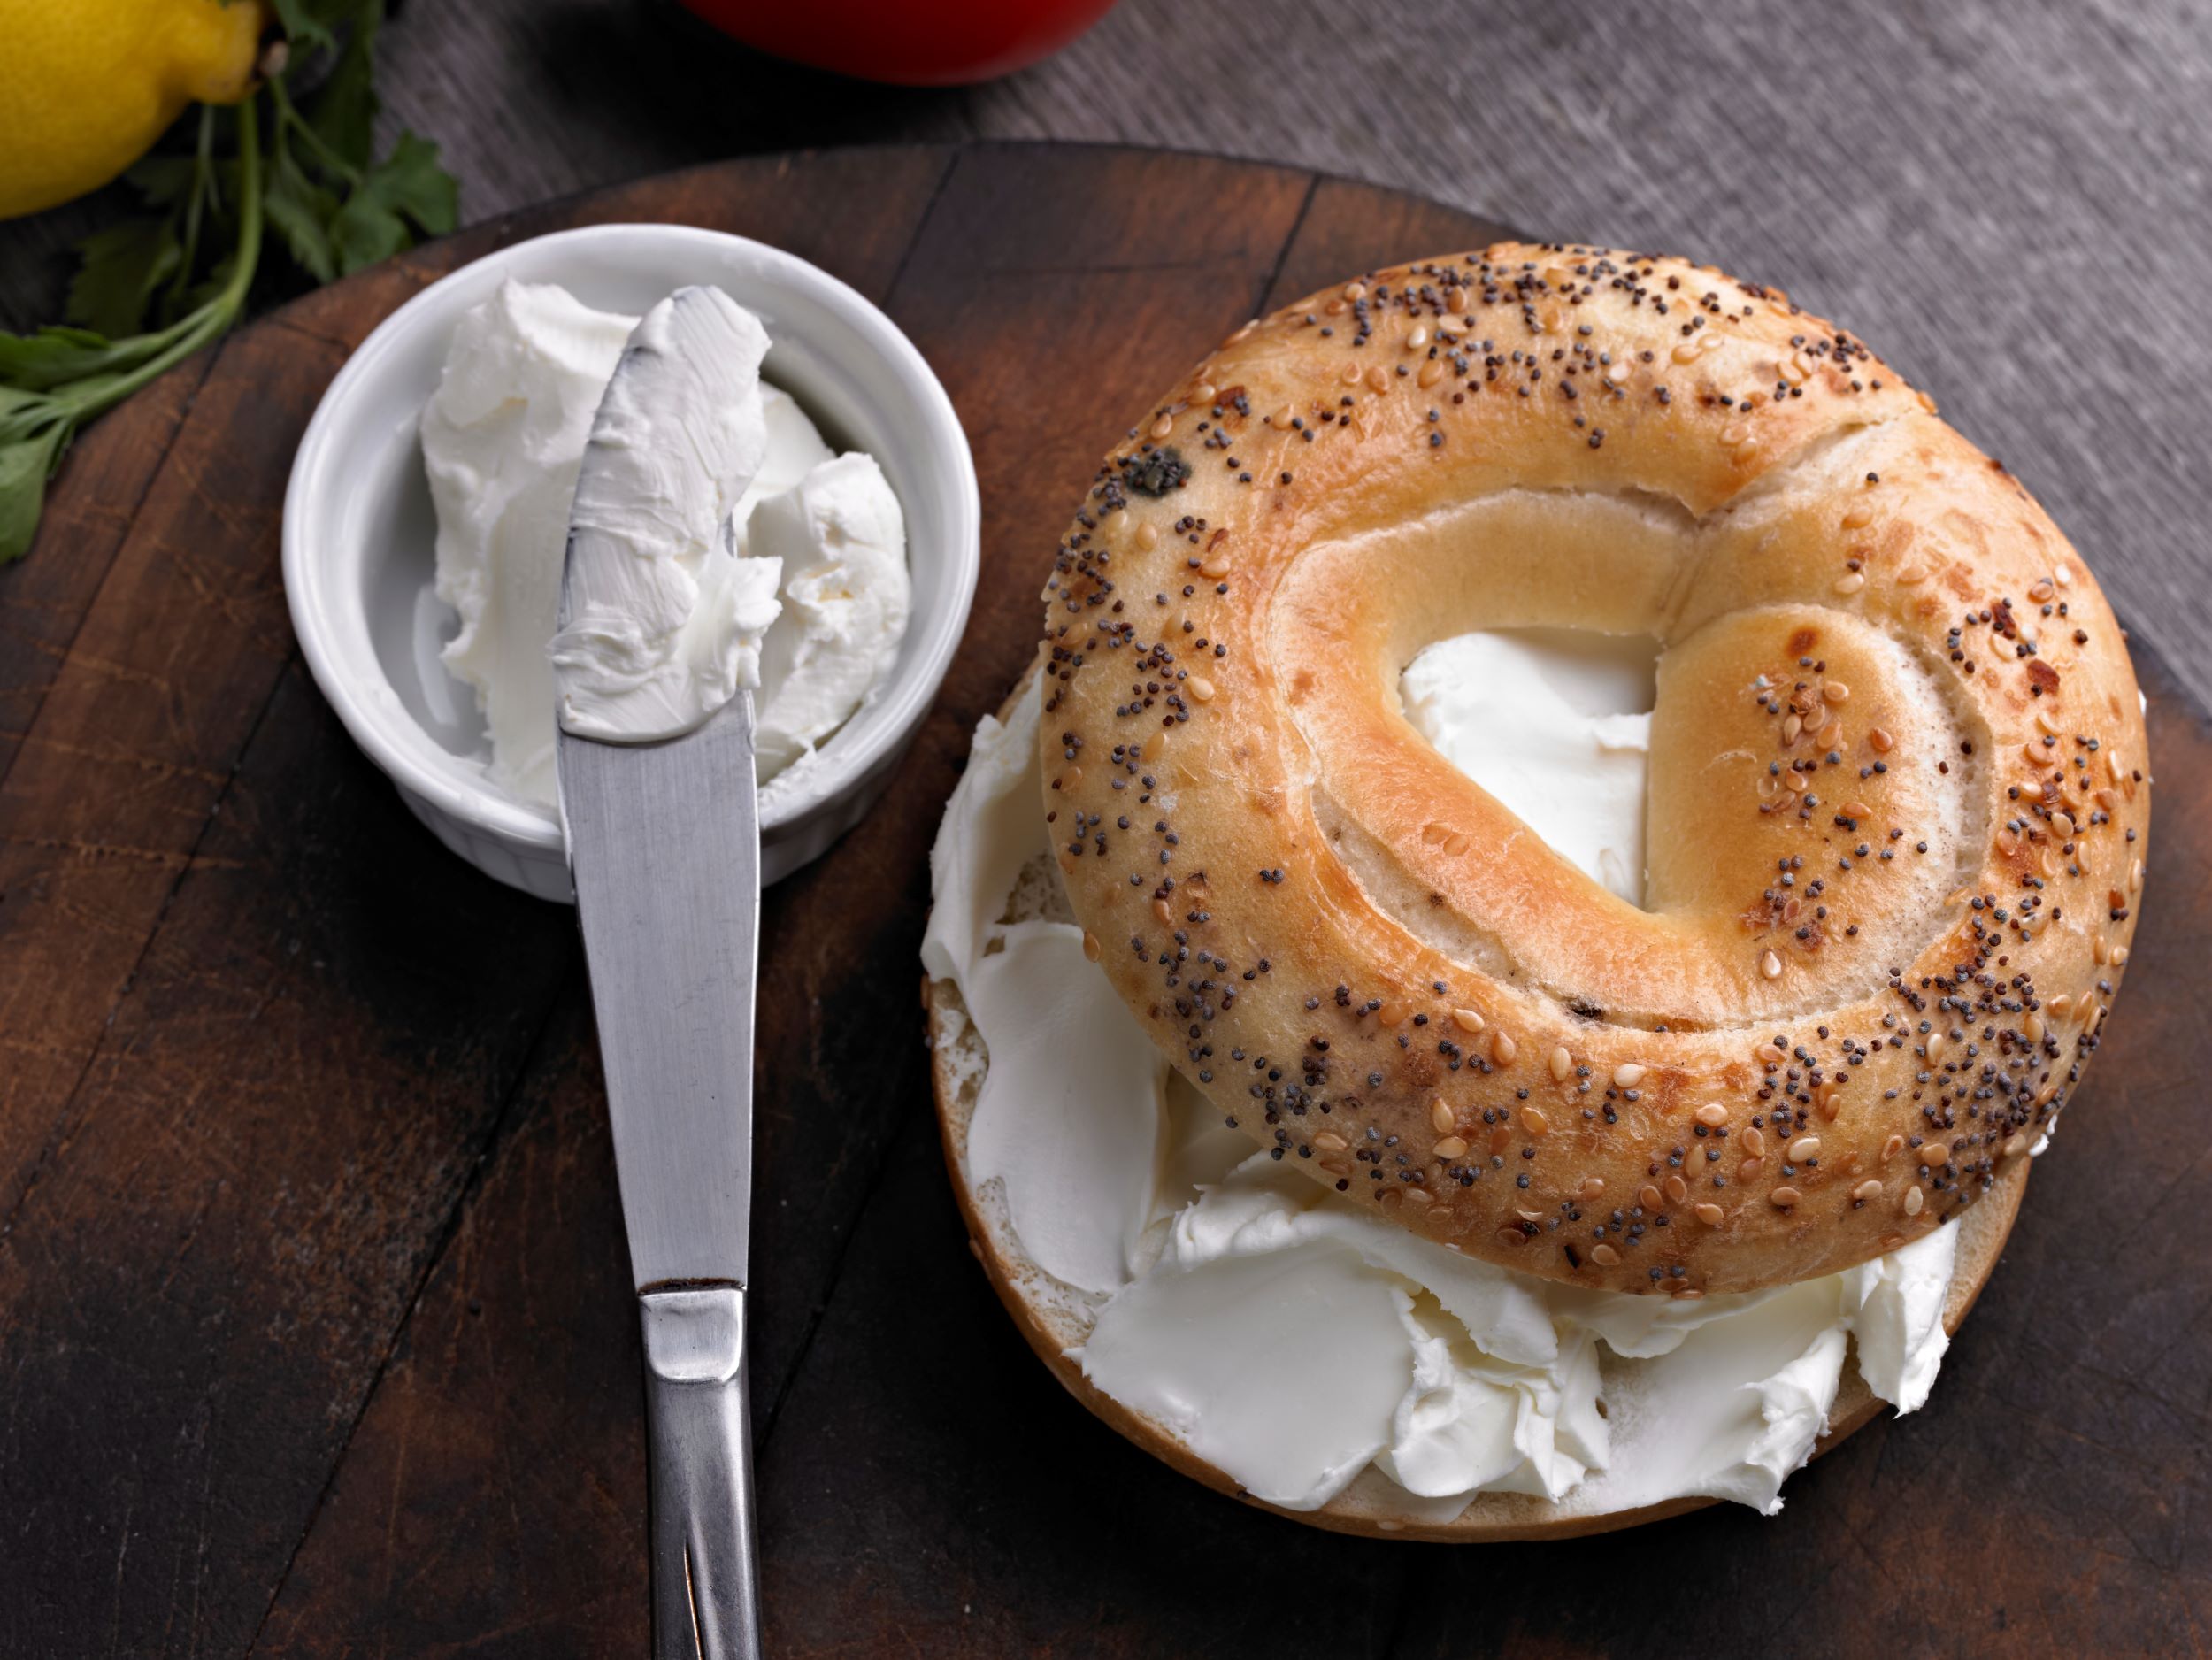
[315,1329]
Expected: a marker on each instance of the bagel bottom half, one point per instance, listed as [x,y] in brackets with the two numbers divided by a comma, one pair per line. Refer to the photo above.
[1056,1320]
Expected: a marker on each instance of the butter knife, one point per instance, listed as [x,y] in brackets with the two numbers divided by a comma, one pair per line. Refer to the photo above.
[664,848]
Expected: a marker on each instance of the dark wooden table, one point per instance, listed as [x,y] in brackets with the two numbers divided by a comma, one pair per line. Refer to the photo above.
[315,1329]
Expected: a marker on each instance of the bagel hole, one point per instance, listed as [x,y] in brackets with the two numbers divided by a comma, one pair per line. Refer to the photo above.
[1556,724]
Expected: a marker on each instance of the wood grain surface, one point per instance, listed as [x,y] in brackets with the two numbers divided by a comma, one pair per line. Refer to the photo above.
[315,1331]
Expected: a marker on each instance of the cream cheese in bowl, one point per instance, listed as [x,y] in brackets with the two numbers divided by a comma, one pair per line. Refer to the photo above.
[436,664]
[797,585]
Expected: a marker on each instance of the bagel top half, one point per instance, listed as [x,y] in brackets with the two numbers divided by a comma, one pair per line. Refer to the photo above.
[1898,793]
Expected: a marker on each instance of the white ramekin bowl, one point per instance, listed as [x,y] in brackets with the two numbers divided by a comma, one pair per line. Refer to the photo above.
[359,533]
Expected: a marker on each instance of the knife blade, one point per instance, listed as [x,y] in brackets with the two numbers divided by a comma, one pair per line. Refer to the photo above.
[664,846]
[665,850]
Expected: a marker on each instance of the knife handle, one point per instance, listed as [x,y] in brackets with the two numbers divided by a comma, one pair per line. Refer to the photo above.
[706,1591]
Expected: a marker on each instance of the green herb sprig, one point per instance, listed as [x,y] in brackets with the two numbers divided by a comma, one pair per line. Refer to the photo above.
[152,290]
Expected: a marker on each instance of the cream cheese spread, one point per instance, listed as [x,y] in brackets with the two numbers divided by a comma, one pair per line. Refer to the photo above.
[1556,724]
[1295,1340]
[818,619]
[663,619]
[502,439]
[839,540]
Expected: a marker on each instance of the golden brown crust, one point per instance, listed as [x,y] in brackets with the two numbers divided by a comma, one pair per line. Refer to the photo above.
[1047,1324]
[1899,782]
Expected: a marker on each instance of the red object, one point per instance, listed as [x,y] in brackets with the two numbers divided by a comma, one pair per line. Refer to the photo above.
[908,43]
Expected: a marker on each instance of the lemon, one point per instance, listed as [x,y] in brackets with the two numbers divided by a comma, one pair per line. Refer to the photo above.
[85,86]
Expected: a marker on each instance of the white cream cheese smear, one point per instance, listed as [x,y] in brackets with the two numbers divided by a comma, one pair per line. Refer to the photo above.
[502,439]
[663,619]
[1299,1343]
[1556,724]
[839,540]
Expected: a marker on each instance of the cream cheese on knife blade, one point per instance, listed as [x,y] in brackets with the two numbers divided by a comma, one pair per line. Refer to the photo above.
[663,620]
[502,441]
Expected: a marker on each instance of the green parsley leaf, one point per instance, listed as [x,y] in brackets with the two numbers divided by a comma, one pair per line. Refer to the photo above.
[24,466]
[57,356]
[306,24]
[344,112]
[407,185]
[119,270]
[302,211]
[165,180]
[15,407]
